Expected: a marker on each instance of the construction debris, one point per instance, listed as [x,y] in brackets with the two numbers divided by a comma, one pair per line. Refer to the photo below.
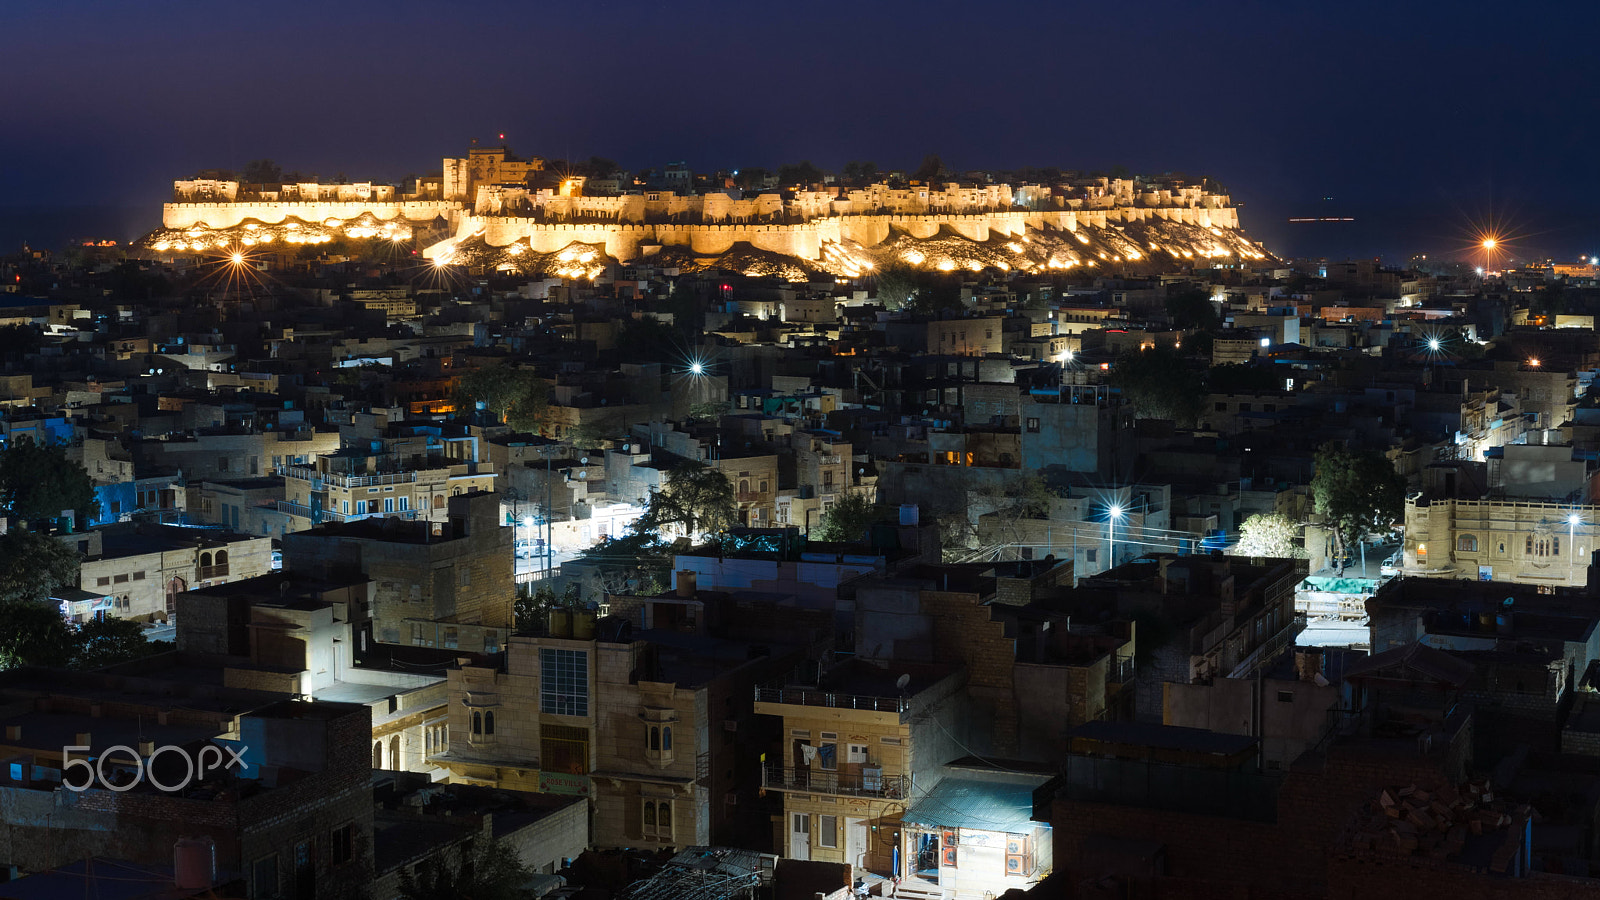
[1439,821]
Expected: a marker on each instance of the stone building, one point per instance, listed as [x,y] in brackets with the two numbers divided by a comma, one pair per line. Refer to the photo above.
[358,483]
[144,568]
[1503,540]
[436,585]
[292,817]
[858,744]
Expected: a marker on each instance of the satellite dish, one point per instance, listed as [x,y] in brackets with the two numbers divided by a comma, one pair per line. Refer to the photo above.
[902,681]
[584,461]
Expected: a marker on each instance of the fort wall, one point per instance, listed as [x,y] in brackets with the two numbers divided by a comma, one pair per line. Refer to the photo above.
[230,215]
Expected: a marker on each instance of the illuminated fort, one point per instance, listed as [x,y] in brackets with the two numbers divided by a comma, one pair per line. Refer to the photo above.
[481,212]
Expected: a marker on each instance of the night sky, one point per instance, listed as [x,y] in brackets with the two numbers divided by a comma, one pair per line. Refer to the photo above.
[1421,120]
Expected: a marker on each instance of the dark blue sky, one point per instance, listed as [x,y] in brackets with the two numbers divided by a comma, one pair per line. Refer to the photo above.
[1418,118]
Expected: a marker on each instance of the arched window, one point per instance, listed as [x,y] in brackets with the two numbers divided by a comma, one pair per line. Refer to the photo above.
[744,487]
[655,738]
[666,739]
[649,814]
[205,560]
[394,752]
[477,722]
[1528,549]
[377,754]
[222,557]
[664,819]
[488,722]
[1467,543]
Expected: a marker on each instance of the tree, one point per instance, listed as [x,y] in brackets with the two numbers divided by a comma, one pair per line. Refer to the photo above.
[33,566]
[506,392]
[261,171]
[486,869]
[848,518]
[17,341]
[1269,534]
[532,606]
[634,563]
[106,642]
[859,172]
[1022,498]
[932,167]
[1159,385]
[38,482]
[751,179]
[799,173]
[696,499]
[1192,309]
[1358,492]
[596,167]
[35,635]
[897,284]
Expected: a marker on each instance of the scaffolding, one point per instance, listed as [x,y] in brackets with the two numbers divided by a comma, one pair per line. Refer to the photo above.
[706,873]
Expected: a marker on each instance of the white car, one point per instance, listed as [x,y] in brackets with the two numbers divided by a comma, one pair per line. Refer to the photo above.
[1390,566]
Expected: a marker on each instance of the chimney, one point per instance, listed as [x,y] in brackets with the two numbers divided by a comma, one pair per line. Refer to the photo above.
[686,582]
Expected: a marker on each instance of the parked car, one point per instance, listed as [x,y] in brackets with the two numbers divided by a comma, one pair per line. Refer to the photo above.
[1391,566]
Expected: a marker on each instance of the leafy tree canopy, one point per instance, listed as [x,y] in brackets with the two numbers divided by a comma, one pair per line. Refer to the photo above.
[848,518]
[1192,309]
[799,173]
[33,566]
[696,499]
[106,642]
[488,870]
[1269,534]
[261,171]
[518,397]
[39,482]
[932,167]
[1159,385]
[1359,493]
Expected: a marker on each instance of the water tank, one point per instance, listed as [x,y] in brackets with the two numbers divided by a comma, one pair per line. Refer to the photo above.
[583,625]
[909,514]
[561,623]
[194,863]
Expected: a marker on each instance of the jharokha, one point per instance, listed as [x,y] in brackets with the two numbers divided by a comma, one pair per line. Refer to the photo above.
[487,211]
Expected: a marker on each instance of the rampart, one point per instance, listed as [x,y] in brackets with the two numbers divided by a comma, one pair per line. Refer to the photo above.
[230,215]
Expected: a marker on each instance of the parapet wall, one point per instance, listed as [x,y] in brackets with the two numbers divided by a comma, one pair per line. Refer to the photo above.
[806,239]
[230,215]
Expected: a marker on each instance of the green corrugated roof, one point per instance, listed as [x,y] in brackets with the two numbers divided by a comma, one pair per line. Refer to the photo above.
[979,805]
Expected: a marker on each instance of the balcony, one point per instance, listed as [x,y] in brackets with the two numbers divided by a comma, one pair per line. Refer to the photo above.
[814,697]
[838,784]
[753,496]
[309,473]
[206,573]
[304,512]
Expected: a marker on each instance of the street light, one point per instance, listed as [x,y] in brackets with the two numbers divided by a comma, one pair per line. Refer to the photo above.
[1572,537]
[1113,513]
[1488,250]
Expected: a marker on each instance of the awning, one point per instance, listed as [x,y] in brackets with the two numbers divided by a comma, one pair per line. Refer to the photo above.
[977,805]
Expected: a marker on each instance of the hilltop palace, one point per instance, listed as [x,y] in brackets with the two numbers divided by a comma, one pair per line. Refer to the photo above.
[481,212]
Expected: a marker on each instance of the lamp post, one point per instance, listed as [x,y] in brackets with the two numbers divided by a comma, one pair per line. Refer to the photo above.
[528,523]
[1572,536]
[1113,513]
[1488,252]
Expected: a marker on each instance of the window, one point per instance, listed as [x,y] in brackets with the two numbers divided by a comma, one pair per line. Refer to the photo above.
[565,749]
[666,739]
[120,579]
[452,637]
[341,843]
[827,831]
[477,722]
[102,581]
[265,876]
[1220,407]
[1286,696]
[361,507]
[858,755]
[388,504]
[828,757]
[657,819]
[1467,543]
[488,722]
[563,682]
[655,738]
[1033,426]
[405,503]
[466,577]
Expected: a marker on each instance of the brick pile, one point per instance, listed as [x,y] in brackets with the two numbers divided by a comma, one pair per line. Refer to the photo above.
[1438,821]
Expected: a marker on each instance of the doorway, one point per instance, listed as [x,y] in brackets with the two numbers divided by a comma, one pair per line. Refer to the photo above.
[855,842]
[799,835]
